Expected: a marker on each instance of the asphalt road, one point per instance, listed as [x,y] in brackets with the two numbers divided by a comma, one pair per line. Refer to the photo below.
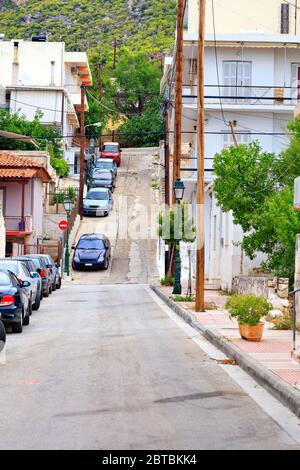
[104,367]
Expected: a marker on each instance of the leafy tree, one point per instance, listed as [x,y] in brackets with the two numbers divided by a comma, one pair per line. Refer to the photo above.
[257,187]
[48,138]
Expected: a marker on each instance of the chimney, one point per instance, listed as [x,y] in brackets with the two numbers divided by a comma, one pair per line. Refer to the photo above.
[15,66]
[52,83]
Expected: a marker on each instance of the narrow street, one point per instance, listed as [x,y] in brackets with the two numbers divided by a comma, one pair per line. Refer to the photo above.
[110,370]
[104,366]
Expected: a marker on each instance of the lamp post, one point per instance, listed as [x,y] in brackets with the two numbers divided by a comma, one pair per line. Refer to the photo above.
[178,194]
[68,205]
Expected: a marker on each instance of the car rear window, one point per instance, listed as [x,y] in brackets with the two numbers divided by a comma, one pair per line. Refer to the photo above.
[36,262]
[10,266]
[4,279]
[91,244]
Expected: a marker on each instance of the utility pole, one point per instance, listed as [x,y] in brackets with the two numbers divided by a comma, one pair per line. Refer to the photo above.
[232,125]
[82,145]
[100,88]
[167,155]
[178,94]
[115,53]
[200,227]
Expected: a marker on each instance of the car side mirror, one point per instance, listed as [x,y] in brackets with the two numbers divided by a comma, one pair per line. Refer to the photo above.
[34,275]
[73,247]
[25,284]
[57,265]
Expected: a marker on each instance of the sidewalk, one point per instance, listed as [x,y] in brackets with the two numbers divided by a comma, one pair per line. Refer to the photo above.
[272,354]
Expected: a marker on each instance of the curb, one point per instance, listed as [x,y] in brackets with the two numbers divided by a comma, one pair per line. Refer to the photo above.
[273,384]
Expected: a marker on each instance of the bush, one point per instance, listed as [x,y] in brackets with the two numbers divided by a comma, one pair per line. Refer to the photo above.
[167,281]
[248,308]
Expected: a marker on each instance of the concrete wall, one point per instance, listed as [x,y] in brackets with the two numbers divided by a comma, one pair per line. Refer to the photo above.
[234,16]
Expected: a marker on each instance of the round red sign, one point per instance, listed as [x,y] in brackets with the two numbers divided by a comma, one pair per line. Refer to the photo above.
[63,225]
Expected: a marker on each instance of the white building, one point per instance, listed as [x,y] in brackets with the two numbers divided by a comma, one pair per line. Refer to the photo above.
[41,75]
[250,78]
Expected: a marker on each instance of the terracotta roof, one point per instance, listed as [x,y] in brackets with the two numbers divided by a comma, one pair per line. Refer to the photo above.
[11,160]
[13,166]
[15,173]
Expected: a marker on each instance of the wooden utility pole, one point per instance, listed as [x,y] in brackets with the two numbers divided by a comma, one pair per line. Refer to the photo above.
[178,95]
[200,227]
[232,125]
[167,155]
[82,146]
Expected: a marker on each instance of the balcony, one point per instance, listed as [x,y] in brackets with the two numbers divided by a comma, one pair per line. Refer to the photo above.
[281,99]
[16,226]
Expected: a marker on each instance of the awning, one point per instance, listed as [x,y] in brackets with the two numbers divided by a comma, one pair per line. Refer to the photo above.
[23,138]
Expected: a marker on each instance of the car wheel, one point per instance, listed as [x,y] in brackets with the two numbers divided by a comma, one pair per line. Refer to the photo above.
[58,285]
[29,307]
[46,294]
[37,302]
[106,264]
[54,287]
[17,327]
[2,336]
[50,289]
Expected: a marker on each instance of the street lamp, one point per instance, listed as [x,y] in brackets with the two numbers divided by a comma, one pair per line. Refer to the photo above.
[68,205]
[178,192]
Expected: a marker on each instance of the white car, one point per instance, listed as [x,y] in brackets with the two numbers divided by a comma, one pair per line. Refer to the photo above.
[98,202]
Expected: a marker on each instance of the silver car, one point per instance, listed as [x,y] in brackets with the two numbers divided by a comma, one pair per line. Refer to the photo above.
[98,202]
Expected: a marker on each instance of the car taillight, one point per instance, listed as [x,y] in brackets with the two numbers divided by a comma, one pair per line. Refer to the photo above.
[43,273]
[51,271]
[7,300]
[20,280]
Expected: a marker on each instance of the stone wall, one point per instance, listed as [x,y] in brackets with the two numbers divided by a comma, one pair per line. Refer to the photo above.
[274,289]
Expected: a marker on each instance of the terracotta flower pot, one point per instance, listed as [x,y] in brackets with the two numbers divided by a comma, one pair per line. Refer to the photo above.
[251,332]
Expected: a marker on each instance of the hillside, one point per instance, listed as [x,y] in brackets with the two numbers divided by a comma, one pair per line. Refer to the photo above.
[146,25]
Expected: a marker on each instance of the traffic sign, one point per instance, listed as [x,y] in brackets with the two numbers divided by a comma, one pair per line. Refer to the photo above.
[63,225]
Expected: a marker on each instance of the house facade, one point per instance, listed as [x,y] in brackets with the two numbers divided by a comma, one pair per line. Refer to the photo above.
[44,76]
[251,79]
[22,197]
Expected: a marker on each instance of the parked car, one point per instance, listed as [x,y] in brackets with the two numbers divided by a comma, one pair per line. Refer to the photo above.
[55,272]
[44,272]
[98,202]
[103,179]
[36,278]
[93,251]
[20,270]
[106,164]
[15,306]
[111,150]
[2,334]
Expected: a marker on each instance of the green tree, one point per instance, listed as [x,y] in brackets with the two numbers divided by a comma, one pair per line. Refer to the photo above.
[257,187]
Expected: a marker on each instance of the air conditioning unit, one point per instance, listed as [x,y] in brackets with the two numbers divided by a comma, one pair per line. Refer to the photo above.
[74,70]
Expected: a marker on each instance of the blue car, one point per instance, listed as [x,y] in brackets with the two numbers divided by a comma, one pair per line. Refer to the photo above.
[15,305]
[92,251]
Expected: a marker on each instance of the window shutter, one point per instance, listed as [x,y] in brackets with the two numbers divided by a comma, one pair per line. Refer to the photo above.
[285,18]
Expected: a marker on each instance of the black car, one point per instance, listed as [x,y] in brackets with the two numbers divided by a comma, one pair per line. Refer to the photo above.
[92,251]
[41,267]
[103,179]
[14,302]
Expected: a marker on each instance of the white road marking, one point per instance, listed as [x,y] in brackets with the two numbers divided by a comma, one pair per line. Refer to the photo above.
[287,420]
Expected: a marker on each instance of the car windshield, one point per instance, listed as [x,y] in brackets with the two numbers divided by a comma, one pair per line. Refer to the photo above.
[91,244]
[36,262]
[10,266]
[107,165]
[102,175]
[4,279]
[110,148]
[97,196]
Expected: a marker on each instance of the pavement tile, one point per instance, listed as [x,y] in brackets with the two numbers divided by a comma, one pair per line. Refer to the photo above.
[290,376]
[263,346]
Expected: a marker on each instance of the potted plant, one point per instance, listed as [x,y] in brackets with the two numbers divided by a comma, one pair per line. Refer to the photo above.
[249,309]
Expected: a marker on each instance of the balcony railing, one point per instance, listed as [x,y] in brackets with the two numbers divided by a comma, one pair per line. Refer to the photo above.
[240,94]
[17,224]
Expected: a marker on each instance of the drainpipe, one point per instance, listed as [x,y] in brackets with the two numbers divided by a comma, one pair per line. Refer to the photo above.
[15,65]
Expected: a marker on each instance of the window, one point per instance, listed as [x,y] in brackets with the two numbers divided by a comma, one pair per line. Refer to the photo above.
[237,80]
[295,81]
[241,137]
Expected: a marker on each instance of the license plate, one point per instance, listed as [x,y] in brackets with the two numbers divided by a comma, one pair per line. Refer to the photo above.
[88,264]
